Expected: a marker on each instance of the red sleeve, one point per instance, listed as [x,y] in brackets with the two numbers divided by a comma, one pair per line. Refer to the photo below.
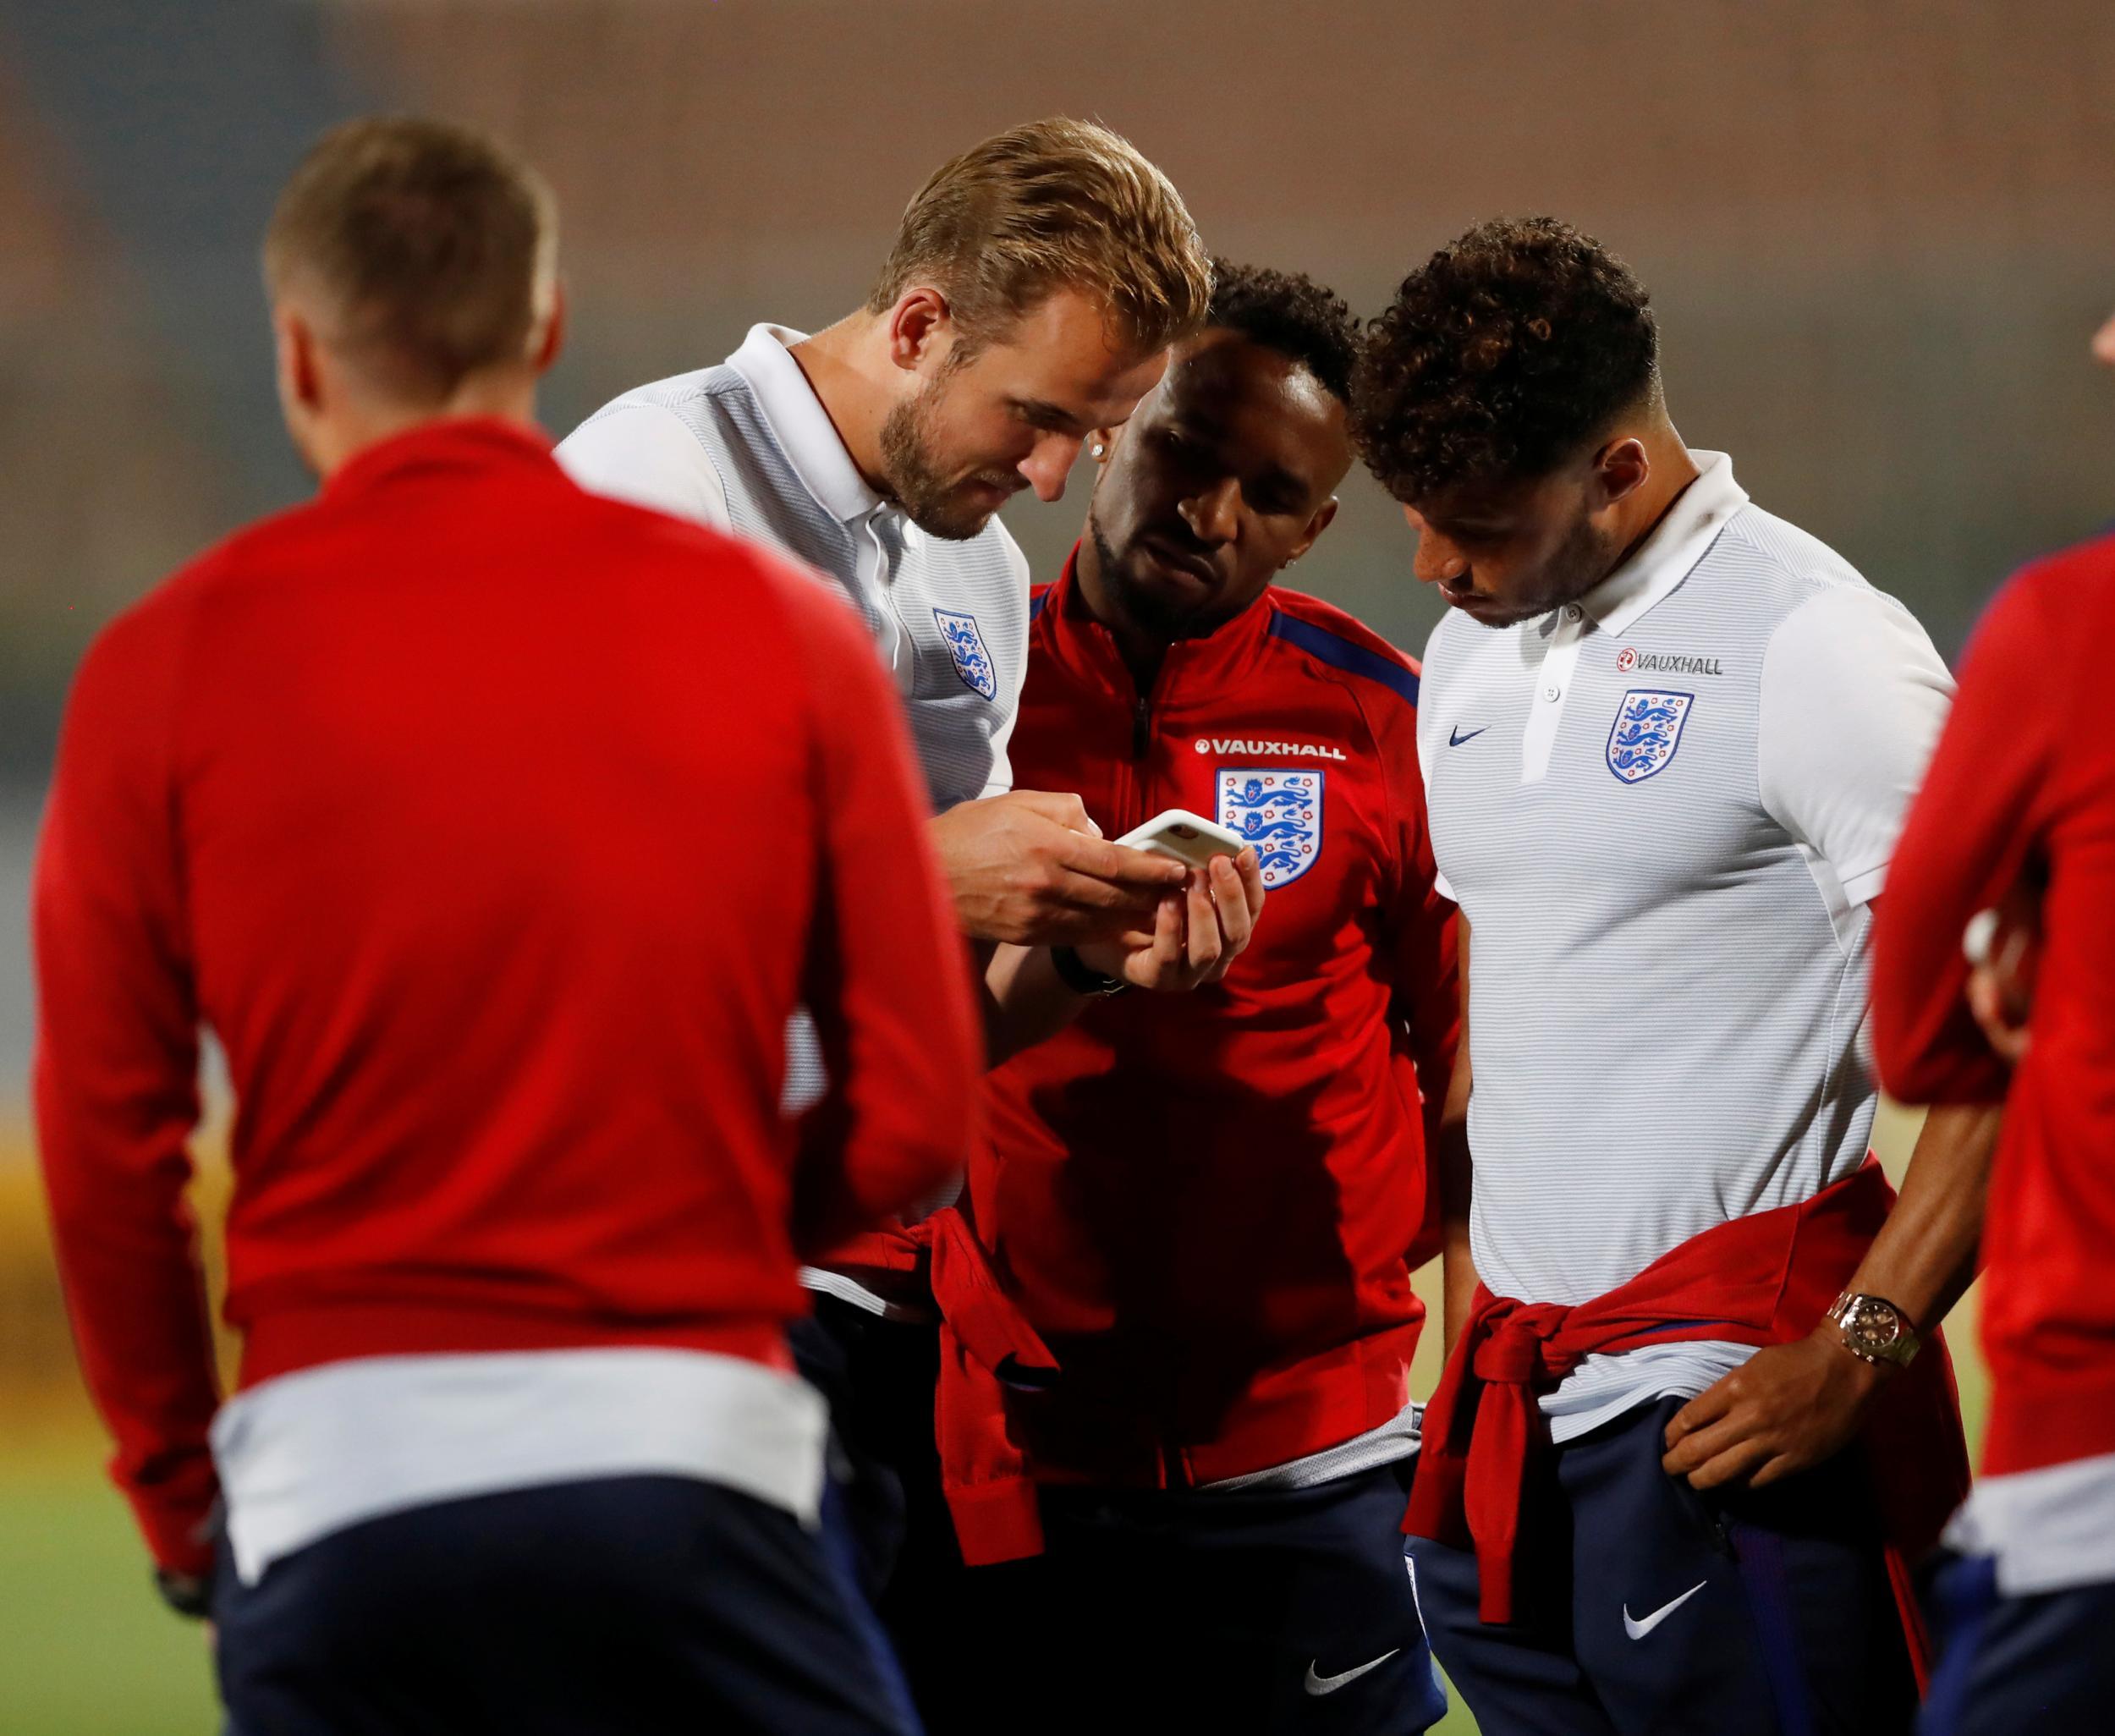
[116,1081]
[888,976]
[1973,828]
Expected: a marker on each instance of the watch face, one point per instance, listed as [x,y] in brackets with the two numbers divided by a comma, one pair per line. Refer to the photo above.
[1871,1324]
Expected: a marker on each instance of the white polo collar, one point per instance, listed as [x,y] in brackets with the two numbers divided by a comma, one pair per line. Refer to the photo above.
[1663,560]
[803,427]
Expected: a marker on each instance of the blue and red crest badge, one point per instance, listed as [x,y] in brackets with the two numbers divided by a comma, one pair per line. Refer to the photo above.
[1647,730]
[965,645]
[1279,813]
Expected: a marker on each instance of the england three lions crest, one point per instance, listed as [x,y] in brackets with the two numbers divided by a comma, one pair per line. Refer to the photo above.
[965,645]
[1280,814]
[1647,730]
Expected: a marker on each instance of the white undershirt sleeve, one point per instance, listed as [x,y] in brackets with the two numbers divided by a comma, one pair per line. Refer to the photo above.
[1853,695]
[643,453]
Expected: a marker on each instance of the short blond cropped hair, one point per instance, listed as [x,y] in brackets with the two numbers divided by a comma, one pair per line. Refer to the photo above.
[430,248]
[1054,205]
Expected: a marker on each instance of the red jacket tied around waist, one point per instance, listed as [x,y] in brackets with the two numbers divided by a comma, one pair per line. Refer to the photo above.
[1764,1279]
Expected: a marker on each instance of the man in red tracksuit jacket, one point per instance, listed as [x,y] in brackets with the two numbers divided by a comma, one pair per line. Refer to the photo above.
[1208,1207]
[495,830]
[2018,808]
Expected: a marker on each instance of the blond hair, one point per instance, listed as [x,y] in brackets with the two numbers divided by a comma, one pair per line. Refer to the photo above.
[430,249]
[1053,205]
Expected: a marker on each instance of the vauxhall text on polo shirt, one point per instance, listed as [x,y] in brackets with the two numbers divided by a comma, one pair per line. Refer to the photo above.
[1663,810]
[748,446]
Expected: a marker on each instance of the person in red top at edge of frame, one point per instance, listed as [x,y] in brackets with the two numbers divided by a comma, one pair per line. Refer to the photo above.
[495,830]
[1206,1209]
[2018,815]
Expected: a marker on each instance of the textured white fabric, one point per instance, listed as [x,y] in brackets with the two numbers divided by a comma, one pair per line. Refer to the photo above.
[1667,972]
[311,1453]
[1849,665]
[748,446]
[2050,1530]
[1397,1438]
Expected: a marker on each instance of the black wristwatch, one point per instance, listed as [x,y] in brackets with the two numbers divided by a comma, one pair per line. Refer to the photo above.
[187,1594]
[1082,978]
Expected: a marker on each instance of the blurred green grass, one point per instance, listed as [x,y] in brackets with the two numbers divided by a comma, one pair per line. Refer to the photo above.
[87,1649]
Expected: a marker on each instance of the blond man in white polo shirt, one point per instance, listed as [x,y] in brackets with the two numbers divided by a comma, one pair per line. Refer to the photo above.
[1034,286]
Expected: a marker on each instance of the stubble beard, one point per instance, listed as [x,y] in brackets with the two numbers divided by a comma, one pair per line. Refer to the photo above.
[929,498]
[1144,610]
[1585,557]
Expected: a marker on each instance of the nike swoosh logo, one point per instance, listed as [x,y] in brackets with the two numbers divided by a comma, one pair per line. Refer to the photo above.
[1330,1685]
[1638,1630]
[1455,737]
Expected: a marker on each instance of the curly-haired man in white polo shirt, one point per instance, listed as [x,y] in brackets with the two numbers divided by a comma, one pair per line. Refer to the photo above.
[1667,740]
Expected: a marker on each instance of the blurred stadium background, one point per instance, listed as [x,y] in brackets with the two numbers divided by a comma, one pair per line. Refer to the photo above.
[1876,232]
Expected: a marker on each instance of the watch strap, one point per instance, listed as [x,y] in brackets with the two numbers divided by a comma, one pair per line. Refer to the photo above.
[1082,978]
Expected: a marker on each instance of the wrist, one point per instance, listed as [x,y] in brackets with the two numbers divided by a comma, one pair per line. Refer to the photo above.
[190,1595]
[1081,971]
[1872,1331]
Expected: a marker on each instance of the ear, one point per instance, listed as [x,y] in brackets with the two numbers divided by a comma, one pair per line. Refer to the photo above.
[545,344]
[920,326]
[1620,470]
[1316,526]
[2104,344]
[1102,445]
[294,349]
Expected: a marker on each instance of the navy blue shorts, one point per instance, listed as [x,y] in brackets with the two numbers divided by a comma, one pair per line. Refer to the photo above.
[1242,1614]
[2044,1664]
[879,1376]
[1762,1612]
[645,1605]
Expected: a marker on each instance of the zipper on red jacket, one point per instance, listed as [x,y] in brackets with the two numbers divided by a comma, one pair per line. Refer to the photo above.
[1135,809]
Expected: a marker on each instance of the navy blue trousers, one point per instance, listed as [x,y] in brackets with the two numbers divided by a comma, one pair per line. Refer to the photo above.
[879,1376]
[644,1605]
[1267,1613]
[1657,1610]
[2044,1664]
[1167,1608]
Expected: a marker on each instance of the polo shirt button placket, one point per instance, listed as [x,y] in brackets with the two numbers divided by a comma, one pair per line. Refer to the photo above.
[885,525]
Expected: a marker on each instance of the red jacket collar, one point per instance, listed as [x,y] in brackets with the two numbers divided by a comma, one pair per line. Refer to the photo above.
[450,441]
[1086,650]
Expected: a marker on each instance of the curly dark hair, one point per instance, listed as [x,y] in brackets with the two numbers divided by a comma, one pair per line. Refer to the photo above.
[1503,354]
[1291,313]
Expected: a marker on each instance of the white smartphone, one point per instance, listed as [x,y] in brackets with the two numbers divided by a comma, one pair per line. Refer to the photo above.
[1189,839]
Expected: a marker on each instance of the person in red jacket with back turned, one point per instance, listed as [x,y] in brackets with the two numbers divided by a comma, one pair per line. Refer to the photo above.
[2018,815]
[495,830]
[1208,1208]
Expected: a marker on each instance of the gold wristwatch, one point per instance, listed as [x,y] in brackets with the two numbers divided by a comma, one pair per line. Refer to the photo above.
[1874,1330]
